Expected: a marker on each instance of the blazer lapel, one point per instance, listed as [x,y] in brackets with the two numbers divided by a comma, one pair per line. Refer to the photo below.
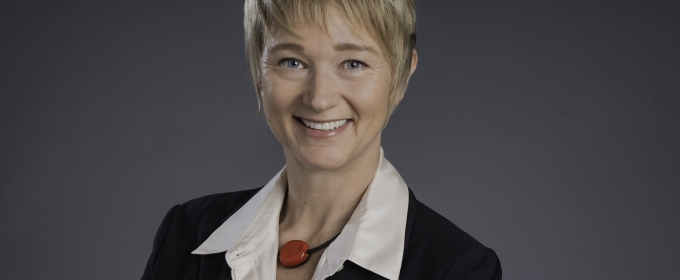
[215,265]
[352,271]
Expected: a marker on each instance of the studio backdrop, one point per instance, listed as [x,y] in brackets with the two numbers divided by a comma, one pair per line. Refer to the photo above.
[546,129]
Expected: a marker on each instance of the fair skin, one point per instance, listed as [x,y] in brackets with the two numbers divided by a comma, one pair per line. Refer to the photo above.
[339,80]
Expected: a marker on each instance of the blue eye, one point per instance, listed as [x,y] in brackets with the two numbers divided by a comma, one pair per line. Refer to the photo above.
[353,64]
[292,63]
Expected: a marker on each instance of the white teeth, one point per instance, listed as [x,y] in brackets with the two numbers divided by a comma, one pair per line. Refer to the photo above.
[324,126]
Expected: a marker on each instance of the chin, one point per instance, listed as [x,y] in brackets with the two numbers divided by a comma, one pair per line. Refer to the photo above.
[323,158]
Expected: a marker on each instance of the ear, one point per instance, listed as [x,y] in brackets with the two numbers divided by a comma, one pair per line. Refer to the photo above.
[414,64]
[260,97]
[414,61]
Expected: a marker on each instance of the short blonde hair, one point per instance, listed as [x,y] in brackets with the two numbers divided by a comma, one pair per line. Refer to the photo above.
[391,22]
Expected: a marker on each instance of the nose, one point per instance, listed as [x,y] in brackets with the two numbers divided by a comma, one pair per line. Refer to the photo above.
[323,90]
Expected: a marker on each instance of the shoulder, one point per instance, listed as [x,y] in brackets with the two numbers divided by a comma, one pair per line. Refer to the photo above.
[436,245]
[198,218]
[434,230]
[214,207]
[185,227]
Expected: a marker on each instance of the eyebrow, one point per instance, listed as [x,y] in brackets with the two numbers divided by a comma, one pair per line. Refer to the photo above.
[286,46]
[338,47]
[353,47]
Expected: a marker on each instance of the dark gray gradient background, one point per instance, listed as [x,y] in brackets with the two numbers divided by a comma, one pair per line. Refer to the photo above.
[546,129]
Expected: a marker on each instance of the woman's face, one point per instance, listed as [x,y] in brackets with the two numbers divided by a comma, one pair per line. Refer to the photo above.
[325,94]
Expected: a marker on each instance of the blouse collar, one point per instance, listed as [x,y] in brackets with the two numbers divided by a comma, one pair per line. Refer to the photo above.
[373,238]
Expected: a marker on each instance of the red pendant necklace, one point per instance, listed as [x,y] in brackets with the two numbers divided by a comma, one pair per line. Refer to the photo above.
[296,252]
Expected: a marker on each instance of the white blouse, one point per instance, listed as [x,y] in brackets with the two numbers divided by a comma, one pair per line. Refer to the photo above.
[373,238]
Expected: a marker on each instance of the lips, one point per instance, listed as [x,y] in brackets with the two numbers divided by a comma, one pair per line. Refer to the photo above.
[322,129]
[323,125]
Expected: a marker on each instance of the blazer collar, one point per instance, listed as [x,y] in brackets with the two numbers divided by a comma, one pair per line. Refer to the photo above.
[373,238]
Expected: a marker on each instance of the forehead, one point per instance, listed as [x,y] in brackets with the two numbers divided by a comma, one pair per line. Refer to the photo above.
[335,28]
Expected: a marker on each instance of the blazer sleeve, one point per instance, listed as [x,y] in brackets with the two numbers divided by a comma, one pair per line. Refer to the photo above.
[477,264]
[158,243]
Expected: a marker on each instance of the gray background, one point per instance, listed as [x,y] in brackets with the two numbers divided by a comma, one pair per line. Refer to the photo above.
[546,129]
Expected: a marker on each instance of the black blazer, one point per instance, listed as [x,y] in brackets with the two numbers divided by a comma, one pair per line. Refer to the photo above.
[434,247]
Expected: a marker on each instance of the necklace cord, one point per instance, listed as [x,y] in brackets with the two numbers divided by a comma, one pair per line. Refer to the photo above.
[317,248]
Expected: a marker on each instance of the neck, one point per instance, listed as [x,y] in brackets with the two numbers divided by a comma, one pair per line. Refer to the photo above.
[319,203]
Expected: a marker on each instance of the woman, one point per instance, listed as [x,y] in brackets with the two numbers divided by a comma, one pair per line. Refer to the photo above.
[328,74]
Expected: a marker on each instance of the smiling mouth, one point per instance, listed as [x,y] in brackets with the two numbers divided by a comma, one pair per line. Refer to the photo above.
[322,125]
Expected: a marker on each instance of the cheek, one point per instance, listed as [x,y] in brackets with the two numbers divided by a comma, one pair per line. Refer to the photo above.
[371,98]
[272,100]
[275,120]
[278,94]
[278,100]
[270,105]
